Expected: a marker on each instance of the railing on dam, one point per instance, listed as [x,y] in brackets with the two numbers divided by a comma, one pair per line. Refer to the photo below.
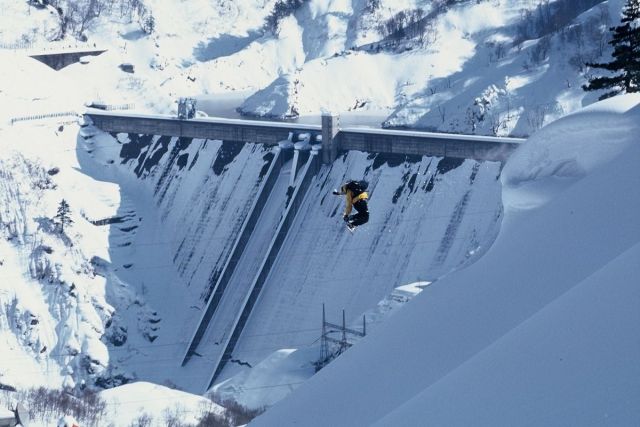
[427,143]
[334,138]
[256,131]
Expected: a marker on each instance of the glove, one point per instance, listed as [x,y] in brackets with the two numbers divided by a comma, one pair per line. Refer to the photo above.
[336,192]
[345,217]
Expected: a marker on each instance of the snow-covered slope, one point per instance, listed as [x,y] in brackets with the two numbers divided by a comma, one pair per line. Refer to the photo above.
[482,67]
[541,329]
[54,312]
[505,67]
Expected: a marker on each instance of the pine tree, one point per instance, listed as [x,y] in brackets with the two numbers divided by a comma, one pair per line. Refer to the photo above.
[150,24]
[63,217]
[626,55]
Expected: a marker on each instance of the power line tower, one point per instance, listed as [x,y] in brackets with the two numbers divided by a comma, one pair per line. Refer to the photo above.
[332,347]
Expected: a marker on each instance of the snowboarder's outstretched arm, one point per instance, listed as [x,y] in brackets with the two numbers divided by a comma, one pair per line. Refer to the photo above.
[348,200]
[349,203]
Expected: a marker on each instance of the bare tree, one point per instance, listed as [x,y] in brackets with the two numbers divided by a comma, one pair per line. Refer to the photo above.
[498,51]
[81,14]
[442,112]
[371,6]
[540,52]
[537,114]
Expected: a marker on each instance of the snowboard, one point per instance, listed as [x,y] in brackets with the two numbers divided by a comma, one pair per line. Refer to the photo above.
[351,229]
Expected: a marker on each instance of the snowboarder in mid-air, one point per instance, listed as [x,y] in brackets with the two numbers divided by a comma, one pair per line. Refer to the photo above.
[356,197]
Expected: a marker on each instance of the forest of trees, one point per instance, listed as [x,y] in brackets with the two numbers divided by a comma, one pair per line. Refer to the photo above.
[281,9]
[626,56]
[77,16]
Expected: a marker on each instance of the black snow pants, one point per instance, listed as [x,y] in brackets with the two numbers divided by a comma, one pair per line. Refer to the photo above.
[363,213]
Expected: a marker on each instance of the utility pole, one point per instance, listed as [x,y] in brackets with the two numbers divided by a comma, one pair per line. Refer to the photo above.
[324,344]
[343,343]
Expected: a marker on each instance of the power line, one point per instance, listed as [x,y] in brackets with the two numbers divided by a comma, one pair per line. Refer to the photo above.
[351,249]
[317,228]
[405,220]
[128,350]
[420,242]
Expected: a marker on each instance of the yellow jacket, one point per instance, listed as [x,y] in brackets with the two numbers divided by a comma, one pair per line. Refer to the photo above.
[351,199]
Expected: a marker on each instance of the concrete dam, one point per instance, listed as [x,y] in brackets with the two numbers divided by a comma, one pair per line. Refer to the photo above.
[256,240]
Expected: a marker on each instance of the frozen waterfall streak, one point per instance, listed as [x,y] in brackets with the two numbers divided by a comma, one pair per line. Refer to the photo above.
[241,242]
[452,229]
[251,297]
[220,327]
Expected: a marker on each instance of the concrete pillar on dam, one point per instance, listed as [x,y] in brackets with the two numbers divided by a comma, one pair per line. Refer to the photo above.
[330,140]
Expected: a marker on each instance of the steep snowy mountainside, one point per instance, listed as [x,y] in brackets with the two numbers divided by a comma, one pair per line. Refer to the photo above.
[366,77]
[519,85]
[540,328]
[487,68]
[331,27]
[263,60]
[54,313]
[495,67]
